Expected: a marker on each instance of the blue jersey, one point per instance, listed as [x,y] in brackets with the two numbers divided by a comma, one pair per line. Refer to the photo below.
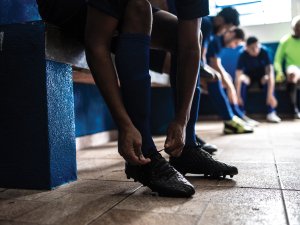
[254,66]
[215,46]
[207,30]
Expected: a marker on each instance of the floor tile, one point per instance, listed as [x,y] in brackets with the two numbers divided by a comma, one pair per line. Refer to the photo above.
[287,153]
[219,214]
[143,200]
[245,154]
[74,208]
[100,152]
[20,194]
[104,169]
[101,187]
[129,217]
[257,175]
[292,201]
[289,175]
[11,222]
[10,209]
[232,195]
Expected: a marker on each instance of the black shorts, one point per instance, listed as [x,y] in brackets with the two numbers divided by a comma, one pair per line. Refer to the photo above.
[190,9]
[256,80]
[114,8]
[72,20]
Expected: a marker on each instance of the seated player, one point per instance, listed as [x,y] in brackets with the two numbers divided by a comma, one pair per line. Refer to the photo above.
[254,66]
[230,39]
[130,104]
[288,51]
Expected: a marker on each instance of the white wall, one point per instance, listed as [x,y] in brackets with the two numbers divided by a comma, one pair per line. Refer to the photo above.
[273,32]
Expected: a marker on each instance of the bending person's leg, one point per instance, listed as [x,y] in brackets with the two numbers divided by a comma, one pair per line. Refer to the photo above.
[232,124]
[132,63]
[193,159]
[293,77]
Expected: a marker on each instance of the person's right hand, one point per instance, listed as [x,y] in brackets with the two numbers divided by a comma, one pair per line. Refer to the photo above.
[129,146]
[175,139]
[280,77]
[272,101]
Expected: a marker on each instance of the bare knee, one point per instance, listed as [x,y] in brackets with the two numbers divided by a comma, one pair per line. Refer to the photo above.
[138,17]
[292,78]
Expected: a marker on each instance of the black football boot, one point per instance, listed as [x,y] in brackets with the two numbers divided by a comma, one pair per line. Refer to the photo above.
[160,177]
[197,161]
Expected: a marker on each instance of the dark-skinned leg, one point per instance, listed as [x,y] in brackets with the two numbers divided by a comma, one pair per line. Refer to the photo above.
[166,39]
[292,92]
[193,159]
[100,28]
[132,62]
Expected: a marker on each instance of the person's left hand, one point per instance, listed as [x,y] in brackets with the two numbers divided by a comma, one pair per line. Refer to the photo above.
[175,139]
[272,101]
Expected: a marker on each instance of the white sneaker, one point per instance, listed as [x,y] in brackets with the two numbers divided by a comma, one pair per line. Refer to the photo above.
[273,118]
[251,122]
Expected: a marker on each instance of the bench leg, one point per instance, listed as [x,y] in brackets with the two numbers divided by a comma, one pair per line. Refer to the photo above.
[37,129]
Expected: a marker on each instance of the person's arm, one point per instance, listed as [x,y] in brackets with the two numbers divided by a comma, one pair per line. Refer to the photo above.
[271,100]
[100,29]
[271,83]
[279,57]
[215,63]
[203,54]
[188,46]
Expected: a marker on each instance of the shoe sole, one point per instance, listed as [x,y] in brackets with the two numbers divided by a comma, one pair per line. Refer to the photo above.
[214,175]
[167,193]
[228,131]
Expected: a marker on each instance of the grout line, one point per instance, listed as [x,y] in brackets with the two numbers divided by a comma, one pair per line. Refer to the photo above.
[281,190]
[262,188]
[200,217]
[114,205]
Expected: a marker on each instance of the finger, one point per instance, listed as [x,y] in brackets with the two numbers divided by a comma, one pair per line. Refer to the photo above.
[130,156]
[138,153]
[133,159]
[177,150]
[144,160]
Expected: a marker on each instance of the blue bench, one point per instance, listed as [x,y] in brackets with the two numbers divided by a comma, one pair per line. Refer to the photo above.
[37,120]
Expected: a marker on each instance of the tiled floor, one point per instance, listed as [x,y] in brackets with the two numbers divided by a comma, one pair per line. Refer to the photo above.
[266,191]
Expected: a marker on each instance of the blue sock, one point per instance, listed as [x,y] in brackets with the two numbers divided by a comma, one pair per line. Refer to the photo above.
[132,63]
[270,109]
[237,111]
[220,100]
[190,136]
[244,90]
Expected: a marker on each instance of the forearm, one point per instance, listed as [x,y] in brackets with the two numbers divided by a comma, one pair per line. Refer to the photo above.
[188,66]
[104,74]
[226,79]
[238,83]
[271,80]
[187,76]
